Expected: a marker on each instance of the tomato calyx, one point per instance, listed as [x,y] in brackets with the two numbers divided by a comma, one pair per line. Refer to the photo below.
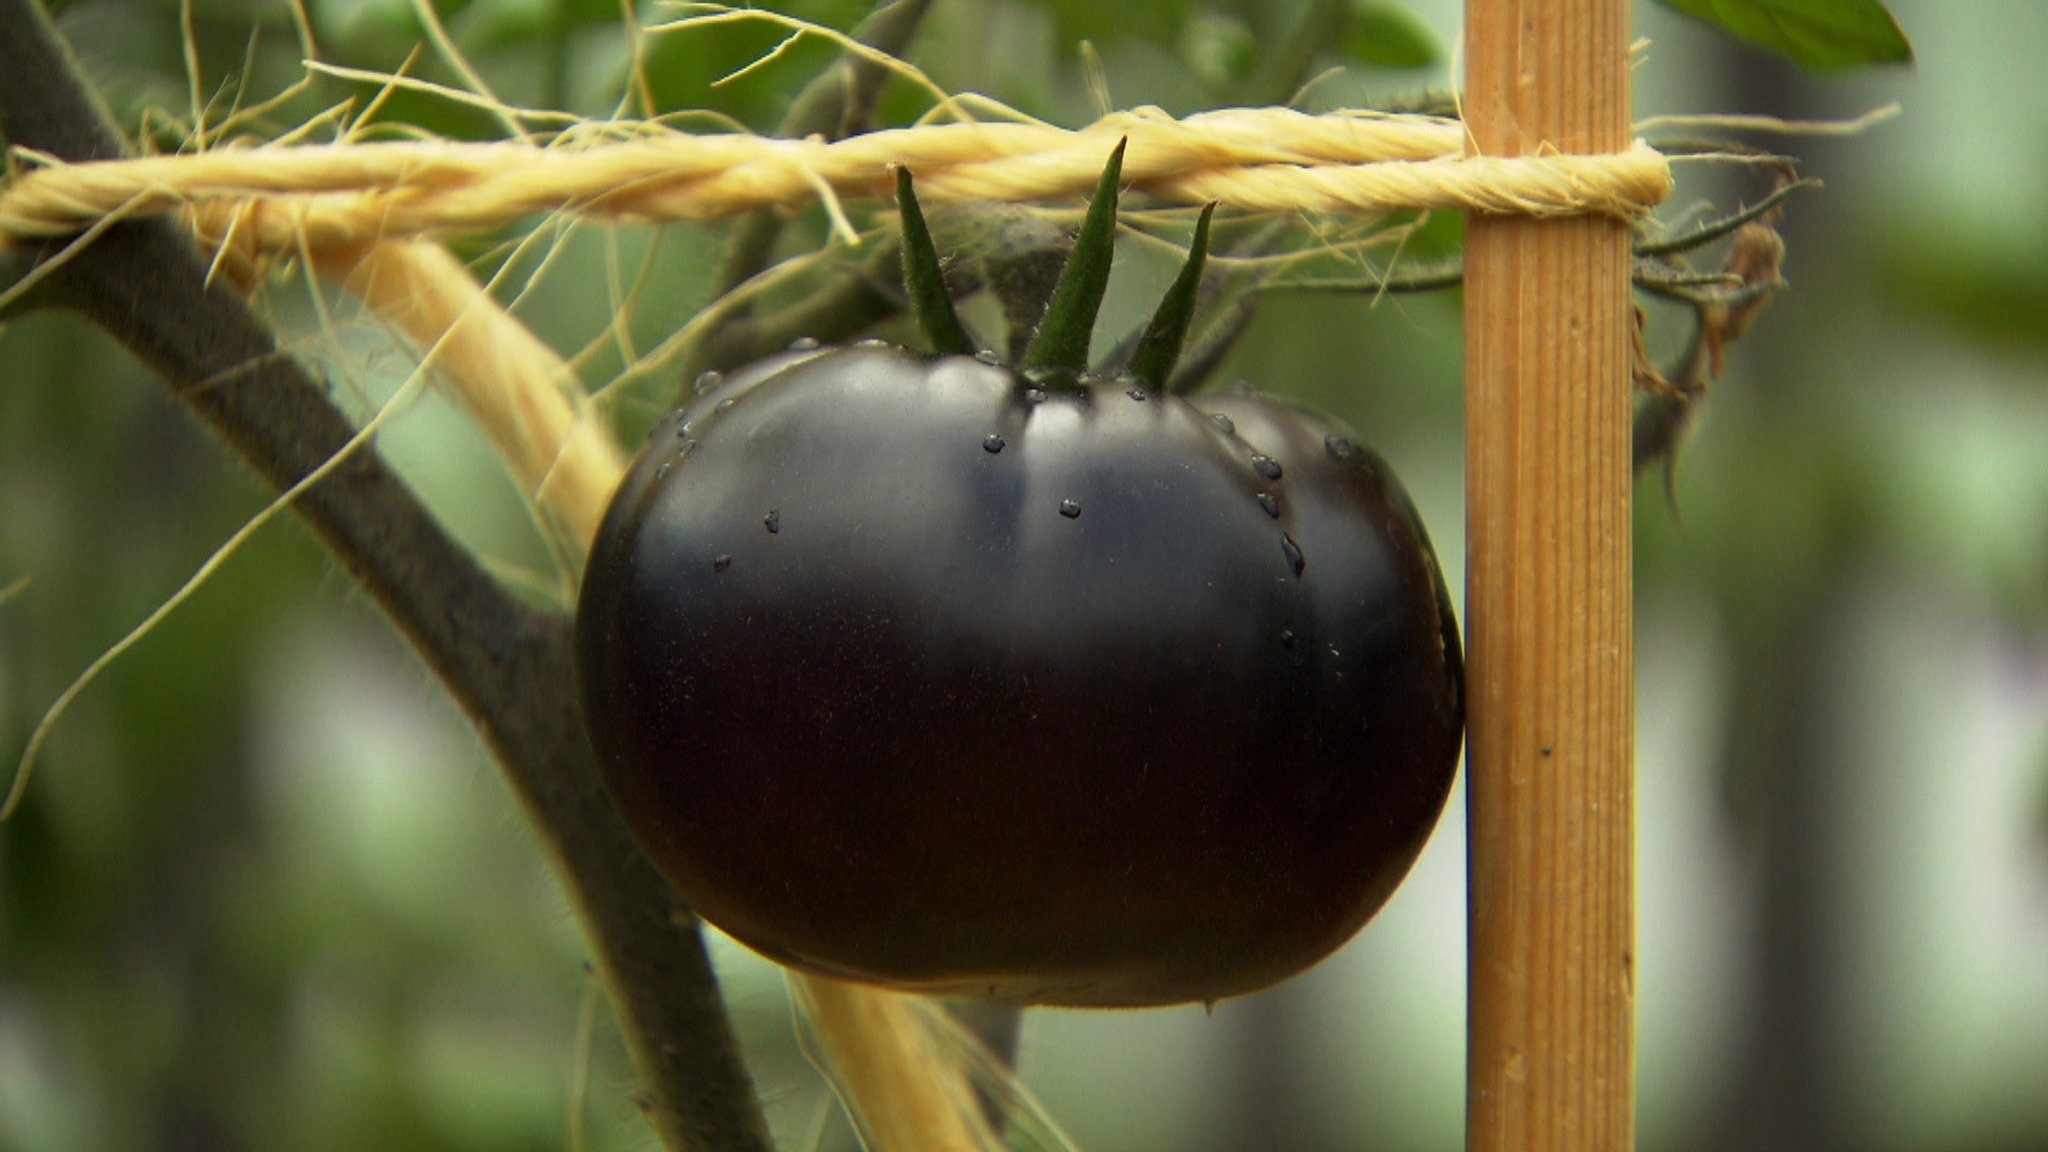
[923,279]
[1058,354]
[1061,343]
[1159,348]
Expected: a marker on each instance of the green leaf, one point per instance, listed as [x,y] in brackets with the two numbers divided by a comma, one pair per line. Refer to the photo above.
[1983,285]
[1062,341]
[1390,36]
[1815,34]
[1219,47]
[1158,22]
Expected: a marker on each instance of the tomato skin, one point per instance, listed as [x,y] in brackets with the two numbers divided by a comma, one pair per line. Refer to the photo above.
[911,671]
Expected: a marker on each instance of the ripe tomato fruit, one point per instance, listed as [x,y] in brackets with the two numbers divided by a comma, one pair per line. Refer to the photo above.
[936,674]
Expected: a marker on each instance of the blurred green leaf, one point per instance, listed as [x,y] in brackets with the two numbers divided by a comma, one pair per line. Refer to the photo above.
[1984,287]
[2041,798]
[1814,34]
[1390,36]
[1160,21]
[1219,47]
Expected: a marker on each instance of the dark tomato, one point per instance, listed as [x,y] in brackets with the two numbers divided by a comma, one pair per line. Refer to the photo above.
[917,672]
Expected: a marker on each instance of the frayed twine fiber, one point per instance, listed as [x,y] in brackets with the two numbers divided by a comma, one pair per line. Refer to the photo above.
[280,199]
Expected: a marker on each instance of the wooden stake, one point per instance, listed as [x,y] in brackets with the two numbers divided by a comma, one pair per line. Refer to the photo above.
[1548,603]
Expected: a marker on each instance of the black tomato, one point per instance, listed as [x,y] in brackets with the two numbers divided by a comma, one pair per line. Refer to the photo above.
[930,673]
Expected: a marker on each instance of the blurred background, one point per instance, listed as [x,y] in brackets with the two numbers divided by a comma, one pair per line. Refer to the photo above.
[268,892]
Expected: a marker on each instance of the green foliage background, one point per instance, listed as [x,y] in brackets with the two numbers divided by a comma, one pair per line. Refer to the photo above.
[268,893]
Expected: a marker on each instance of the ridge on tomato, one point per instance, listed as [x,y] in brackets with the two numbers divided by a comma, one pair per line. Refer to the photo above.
[1032,685]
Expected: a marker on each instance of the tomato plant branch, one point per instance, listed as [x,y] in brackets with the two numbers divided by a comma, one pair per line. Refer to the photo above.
[1711,230]
[835,105]
[849,302]
[1279,75]
[506,664]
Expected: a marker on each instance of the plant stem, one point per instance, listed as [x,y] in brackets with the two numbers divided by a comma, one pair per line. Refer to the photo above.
[836,104]
[506,664]
[849,302]
[1280,73]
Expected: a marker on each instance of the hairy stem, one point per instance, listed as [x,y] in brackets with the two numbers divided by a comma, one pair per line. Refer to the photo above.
[506,664]
[850,301]
[835,105]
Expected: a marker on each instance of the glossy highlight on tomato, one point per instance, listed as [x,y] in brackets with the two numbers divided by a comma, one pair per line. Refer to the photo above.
[932,673]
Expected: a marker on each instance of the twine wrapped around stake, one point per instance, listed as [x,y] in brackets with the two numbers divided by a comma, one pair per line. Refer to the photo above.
[282,199]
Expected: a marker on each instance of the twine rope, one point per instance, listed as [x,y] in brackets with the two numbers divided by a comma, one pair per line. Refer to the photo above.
[281,198]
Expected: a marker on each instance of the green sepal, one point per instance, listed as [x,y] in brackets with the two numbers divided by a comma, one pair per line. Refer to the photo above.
[923,281]
[1062,341]
[1159,348]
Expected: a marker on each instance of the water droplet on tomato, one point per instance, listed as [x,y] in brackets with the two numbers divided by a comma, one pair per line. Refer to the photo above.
[661,473]
[992,443]
[1339,447]
[988,356]
[1292,551]
[1223,422]
[772,521]
[726,404]
[871,342]
[708,380]
[1136,394]
[1270,503]
[1070,508]
[1287,637]
[804,344]
[1266,466]
[1034,395]
[723,561]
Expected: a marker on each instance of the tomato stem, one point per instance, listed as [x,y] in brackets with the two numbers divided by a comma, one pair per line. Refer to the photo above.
[1062,341]
[1159,348]
[923,280]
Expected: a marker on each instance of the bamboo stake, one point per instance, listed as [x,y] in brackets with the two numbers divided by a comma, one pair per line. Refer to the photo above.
[1548,603]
